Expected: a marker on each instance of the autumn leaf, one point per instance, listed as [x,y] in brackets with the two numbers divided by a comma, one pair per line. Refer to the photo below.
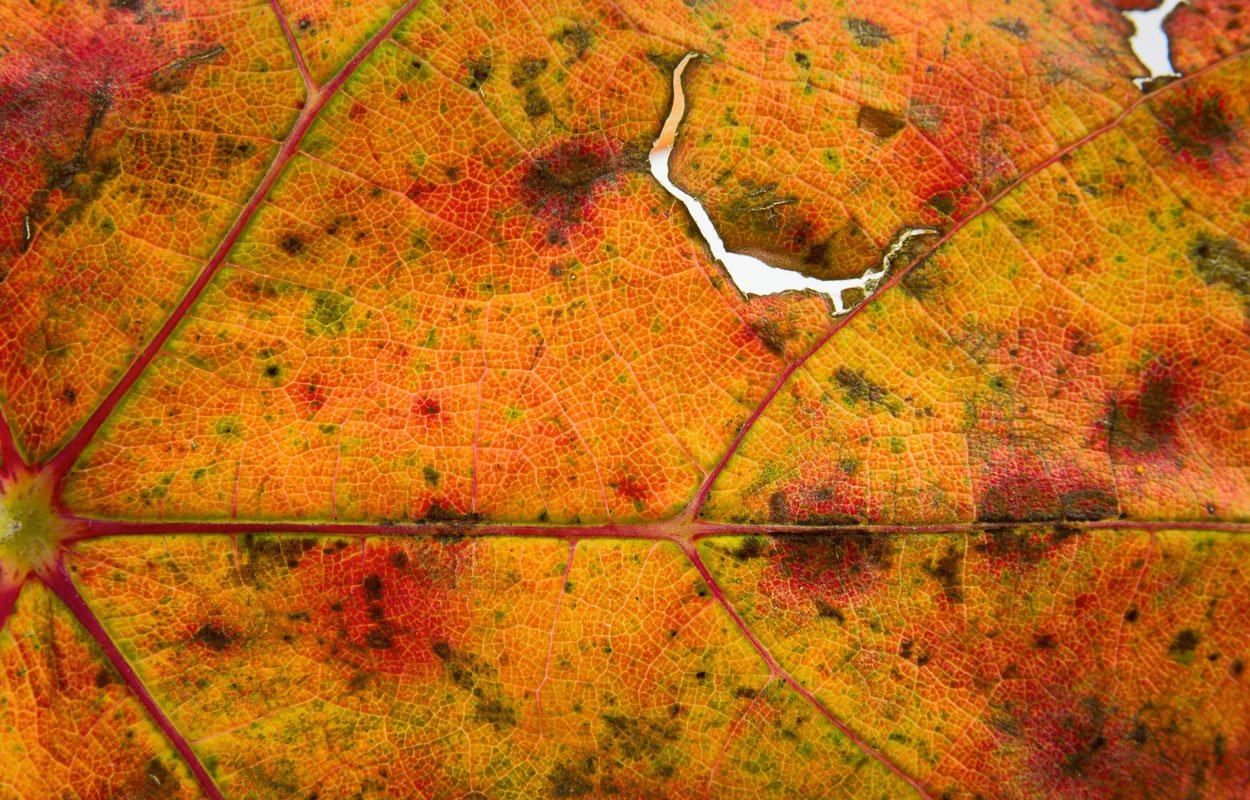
[383,415]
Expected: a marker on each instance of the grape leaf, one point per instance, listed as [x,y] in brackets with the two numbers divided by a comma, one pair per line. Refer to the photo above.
[375,423]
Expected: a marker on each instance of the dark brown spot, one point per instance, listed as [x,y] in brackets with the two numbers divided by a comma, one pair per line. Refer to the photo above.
[788,25]
[1185,642]
[1045,641]
[751,547]
[946,570]
[477,72]
[576,39]
[1220,260]
[1015,27]
[292,245]
[879,122]
[826,611]
[215,636]
[867,33]
[856,388]
[778,508]
[568,781]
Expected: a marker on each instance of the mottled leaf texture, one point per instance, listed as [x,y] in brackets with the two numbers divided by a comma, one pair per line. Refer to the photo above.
[376,424]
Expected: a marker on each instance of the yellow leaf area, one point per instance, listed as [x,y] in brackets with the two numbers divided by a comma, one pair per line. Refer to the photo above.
[374,424]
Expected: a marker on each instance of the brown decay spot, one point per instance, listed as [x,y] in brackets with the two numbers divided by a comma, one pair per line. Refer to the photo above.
[577,39]
[558,186]
[788,25]
[1015,27]
[759,222]
[174,77]
[637,737]
[80,178]
[292,245]
[879,122]
[154,781]
[867,33]
[215,636]
[475,676]
[104,677]
[573,780]
[1080,344]
[856,388]
[944,202]
[266,556]
[922,280]
[841,564]
[1222,261]
[945,569]
[477,72]
[1024,547]
[1088,730]
[1021,496]
[1185,642]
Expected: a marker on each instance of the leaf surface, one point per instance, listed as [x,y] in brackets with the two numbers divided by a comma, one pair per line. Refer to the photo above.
[376,424]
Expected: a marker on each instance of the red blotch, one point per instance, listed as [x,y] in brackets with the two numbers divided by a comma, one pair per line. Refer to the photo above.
[426,407]
[380,610]
[559,186]
[308,396]
[57,89]
[1145,425]
[1021,488]
[1198,127]
[828,570]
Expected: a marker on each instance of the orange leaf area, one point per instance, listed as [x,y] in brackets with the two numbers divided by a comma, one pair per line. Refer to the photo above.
[374,422]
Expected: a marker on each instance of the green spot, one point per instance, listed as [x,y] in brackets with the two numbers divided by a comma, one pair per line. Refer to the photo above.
[228,427]
[330,314]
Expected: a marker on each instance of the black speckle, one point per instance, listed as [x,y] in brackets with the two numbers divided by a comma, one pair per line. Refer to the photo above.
[1132,614]
[292,245]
